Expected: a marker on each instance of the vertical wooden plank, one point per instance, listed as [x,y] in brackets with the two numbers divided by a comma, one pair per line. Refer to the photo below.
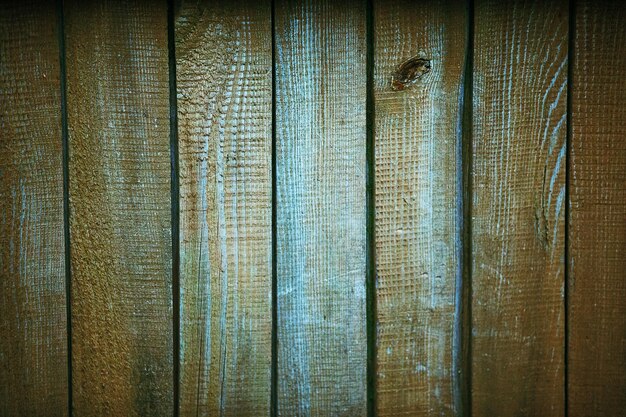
[418,172]
[320,72]
[33,337]
[597,228]
[518,183]
[118,119]
[224,82]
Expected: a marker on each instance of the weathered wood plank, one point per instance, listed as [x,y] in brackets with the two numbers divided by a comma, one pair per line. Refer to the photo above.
[224,81]
[597,228]
[320,72]
[119,163]
[418,212]
[518,184]
[33,335]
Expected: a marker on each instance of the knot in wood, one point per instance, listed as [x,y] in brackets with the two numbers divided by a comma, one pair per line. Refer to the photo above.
[409,71]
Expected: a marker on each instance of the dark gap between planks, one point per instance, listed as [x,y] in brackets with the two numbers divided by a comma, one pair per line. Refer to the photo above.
[66,199]
[568,140]
[463,320]
[274,348]
[175,203]
[370,289]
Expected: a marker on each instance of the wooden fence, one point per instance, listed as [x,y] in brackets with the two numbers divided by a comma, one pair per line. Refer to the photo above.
[254,208]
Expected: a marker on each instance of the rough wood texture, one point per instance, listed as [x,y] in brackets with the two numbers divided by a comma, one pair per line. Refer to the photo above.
[597,228]
[518,184]
[224,81]
[33,337]
[418,212]
[321,207]
[118,115]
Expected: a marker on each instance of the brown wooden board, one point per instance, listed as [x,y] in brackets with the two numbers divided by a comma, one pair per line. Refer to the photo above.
[418,205]
[224,83]
[518,206]
[320,70]
[119,164]
[33,335]
[597,221]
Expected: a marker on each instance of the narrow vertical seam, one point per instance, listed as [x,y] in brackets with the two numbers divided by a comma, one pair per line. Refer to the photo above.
[463,320]
[274,362]
[568,145]
[175,204]
[66,198]
[371,215]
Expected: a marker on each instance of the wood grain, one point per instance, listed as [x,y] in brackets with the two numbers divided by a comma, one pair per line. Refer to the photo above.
[597,224]
[418,207]
[518,184]
[224,81]
[321,207]
[119,163]
[33,335]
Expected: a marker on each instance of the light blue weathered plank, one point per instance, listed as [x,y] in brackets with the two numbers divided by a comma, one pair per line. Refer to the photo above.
[321,207]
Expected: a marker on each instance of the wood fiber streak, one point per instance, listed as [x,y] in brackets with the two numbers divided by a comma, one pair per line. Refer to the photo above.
[597,224]
[224,81]
[321,207]
[119,164]
[417,142]
[518,183]
[33,336]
